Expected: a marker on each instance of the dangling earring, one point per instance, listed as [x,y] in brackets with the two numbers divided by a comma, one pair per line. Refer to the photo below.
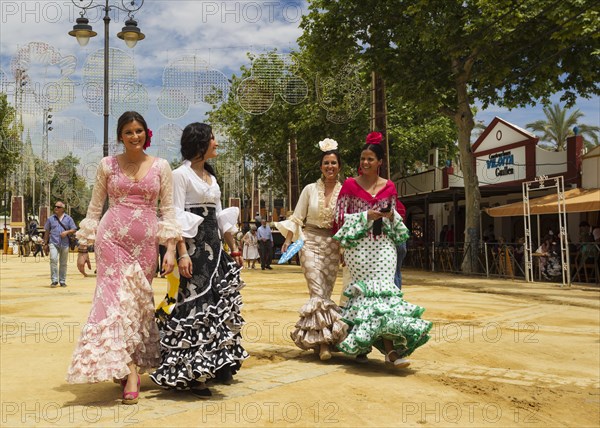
[359,170]
[379,169]
[322,177]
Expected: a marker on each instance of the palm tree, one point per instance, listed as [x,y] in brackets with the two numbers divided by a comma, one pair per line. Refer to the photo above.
[559,125]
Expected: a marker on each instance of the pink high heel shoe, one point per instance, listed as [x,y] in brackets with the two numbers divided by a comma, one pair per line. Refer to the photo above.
[131,397]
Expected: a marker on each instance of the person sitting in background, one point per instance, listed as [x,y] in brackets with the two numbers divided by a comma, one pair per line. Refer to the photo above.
[585,232]
[596,234]
[550,263]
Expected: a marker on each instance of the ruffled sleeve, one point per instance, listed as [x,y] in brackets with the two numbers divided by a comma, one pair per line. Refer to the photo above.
[188,221]
[168,227]
[227,219]
[295,222]
[86,234]
[355,227]
[396,230]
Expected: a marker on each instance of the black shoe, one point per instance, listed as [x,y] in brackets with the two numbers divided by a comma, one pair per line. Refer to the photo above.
[53,285]
[262,268]
[201,393]
[224,376]
[269,267]
[62,284]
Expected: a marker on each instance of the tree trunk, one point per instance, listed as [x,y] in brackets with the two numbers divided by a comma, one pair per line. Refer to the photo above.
[464,122]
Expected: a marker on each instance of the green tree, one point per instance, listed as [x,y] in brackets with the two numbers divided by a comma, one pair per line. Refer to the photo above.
[442,56]
[66,184]
[10,145]
[261,140]
[559,125]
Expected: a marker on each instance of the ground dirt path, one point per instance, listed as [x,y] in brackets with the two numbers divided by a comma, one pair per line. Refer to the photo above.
[502,354]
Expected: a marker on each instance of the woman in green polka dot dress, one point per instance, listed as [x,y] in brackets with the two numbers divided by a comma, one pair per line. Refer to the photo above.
[368,229]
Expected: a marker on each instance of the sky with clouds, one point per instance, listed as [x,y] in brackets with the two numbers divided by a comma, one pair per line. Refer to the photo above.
[215,35]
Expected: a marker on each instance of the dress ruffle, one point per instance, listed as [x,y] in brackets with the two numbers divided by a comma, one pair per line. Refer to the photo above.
[356,227]
[293,224]
[376,311]
[208,338]
[128,334]
[87,231]
[320,323]
[228,218]
[168,230]
[189,222]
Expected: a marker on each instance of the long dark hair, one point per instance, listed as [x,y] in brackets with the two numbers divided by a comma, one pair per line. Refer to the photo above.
[195,141]
[128,117]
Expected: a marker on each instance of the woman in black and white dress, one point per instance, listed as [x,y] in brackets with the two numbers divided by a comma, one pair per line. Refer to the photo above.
[201,336]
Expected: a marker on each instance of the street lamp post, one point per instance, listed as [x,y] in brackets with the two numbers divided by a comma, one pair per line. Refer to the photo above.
[131,34]
[45,132]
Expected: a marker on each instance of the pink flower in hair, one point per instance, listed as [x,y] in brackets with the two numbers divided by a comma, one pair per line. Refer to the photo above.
[374,138]
[148,138]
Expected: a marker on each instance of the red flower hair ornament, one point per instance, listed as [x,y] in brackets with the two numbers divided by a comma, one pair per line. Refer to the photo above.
[148,139]
[374,138]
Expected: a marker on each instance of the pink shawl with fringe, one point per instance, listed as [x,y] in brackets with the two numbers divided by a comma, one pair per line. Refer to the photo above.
[354,199]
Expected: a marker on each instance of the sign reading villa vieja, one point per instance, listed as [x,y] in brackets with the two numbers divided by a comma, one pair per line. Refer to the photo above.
[502,162]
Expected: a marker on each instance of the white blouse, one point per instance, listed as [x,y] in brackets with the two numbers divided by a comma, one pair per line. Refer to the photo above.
[189,190]
[311,209]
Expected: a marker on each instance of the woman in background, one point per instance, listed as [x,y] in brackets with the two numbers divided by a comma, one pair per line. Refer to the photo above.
[250,241]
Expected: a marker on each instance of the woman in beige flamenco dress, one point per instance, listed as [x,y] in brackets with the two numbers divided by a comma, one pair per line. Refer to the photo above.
[320,326]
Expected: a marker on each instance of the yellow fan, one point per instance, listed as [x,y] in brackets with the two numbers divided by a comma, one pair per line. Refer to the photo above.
[168,303]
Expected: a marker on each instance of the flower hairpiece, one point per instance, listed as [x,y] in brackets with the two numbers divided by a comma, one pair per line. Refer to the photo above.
[374,138]
[148,138]
[328,144]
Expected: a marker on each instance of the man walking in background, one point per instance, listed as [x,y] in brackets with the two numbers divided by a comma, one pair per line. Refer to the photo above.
[58,227]
[265,245]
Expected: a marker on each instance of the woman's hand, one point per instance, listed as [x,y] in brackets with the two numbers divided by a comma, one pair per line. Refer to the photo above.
[376,215]
[185,267]
[237,257]
[168,263]
[285,246]
[83,259]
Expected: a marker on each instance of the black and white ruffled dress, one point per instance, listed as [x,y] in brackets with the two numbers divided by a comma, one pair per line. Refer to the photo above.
[201,336]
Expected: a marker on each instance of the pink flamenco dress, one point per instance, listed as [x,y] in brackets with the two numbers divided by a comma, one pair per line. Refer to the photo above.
[121,328]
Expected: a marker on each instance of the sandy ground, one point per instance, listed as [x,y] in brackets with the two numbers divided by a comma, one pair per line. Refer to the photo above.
[502,353]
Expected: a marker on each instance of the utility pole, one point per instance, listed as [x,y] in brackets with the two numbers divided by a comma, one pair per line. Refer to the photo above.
[379,118]
[293,179]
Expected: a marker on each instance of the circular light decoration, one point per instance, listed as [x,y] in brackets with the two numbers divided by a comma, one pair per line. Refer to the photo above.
[125,92]
[294,90]
[166,142]
[271,74]
[173,103]
[341,95]
[42,72]
[134,97]
[254,96]
[190,80]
